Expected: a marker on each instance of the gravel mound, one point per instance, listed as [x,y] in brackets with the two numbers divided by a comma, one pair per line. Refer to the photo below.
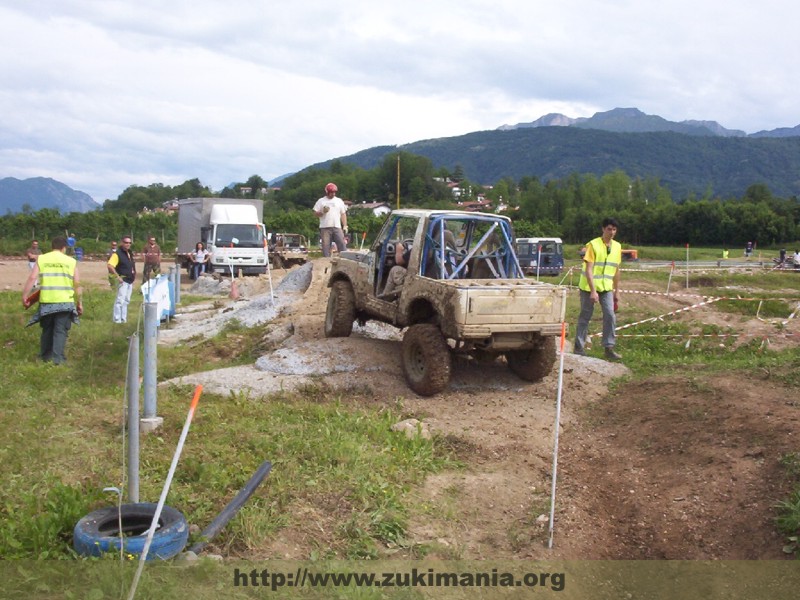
[255,305]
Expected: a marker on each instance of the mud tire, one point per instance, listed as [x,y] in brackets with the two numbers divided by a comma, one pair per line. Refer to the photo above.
[341,310]
[427,362]
[533,364]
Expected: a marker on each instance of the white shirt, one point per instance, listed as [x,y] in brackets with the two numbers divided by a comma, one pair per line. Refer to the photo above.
[336,208]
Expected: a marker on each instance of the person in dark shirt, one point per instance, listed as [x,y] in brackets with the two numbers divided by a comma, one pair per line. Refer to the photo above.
[122,267]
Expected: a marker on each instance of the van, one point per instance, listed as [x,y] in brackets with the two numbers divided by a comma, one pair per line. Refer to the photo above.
[540,255]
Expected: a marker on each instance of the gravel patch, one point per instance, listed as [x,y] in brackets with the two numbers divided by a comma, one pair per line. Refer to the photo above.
[255,305]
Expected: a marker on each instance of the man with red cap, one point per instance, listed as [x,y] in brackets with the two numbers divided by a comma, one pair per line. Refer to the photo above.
[332,214]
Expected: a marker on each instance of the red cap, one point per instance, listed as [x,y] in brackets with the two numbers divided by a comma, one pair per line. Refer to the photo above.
[331,187]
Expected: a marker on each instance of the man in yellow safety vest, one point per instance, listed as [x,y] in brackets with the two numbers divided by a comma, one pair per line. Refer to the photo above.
[599,283]
[59,299]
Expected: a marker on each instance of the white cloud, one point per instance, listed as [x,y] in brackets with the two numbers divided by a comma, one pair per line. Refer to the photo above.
[105,94]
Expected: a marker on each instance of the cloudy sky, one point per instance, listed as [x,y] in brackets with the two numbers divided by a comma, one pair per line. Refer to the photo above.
[104,94]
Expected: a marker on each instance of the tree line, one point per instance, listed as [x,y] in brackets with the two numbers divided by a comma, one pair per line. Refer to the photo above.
[571,207]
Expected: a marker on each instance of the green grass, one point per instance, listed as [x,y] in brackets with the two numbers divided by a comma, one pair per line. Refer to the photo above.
[61,444]
[336,463]
[678,253]
[667,348]
[788,519]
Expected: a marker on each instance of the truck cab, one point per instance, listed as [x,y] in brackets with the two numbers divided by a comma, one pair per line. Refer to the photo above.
[231,230]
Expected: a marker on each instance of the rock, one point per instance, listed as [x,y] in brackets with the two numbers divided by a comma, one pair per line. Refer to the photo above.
[187,556]
[412,428]
[277,335]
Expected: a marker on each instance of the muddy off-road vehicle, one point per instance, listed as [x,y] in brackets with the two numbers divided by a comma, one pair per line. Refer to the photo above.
[464,292]
[287,250]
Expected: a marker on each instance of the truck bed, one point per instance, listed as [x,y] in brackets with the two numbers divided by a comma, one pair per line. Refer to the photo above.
[508,305]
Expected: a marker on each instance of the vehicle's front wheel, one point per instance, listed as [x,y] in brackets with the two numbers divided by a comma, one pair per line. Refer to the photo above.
[533,364]
[341,310]
[426,359]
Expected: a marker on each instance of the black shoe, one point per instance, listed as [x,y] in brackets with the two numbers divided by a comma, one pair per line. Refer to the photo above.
[579,351]
[612,355]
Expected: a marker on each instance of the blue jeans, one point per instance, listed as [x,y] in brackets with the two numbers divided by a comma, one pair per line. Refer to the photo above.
[198,269]
[609,320]
[53,342]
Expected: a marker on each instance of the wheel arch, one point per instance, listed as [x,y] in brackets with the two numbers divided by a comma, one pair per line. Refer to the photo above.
[421,310]
[339,276]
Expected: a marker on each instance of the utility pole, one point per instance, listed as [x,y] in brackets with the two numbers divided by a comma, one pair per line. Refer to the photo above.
[398,181]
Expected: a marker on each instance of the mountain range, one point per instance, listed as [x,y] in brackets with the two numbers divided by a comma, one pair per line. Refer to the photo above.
[42,192]
[632,120]
[690,157]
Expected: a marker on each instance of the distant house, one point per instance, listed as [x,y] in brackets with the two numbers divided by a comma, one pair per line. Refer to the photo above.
[379,209]
[476,205]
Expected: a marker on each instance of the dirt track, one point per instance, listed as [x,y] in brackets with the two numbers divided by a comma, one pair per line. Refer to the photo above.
[676,467]
[673,467]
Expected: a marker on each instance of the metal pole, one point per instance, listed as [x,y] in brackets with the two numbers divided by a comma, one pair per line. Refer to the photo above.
[133,419]
[687,266]
[398,181]
[671,271]
[171,281]
[177,284]
[538,260]
[150,358]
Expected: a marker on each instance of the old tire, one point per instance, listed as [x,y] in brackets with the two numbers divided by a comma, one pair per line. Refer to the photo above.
[533,364]
[98,532]
[341,310]
[426,359]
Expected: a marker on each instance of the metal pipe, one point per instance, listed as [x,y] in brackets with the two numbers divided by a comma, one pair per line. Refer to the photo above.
[150,358]
[133,419]
[233,507]
[171,280]
[177,284]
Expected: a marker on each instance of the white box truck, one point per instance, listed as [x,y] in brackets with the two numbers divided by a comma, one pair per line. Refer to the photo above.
[231,229]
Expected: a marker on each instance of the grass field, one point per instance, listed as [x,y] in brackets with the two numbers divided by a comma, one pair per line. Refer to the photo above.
[61,435]
[62,443]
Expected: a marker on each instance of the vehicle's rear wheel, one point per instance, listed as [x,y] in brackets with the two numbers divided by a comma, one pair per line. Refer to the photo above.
[426,359]
[341,310]
[533,364]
